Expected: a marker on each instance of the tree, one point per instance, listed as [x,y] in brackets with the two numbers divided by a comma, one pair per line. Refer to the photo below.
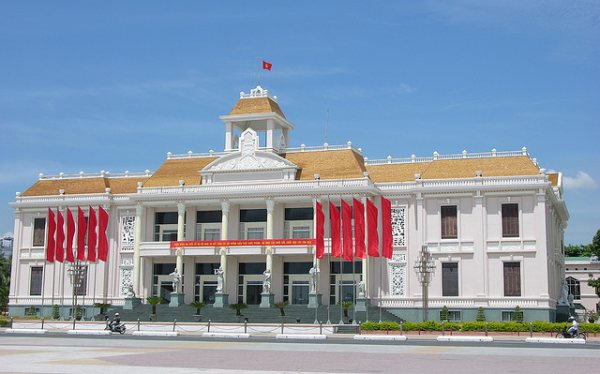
[4,280]
[518,314]
[444,314]
[595,246]
[579,250]
[480,315]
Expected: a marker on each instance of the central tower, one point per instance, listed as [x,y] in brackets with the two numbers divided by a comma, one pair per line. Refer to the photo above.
[260,112]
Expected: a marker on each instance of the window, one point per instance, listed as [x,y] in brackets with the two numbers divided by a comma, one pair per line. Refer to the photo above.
[35,281]
[165,226]
[508,316]
[450,279]
[298,223]
[449,222]
[512,279]
[208,225]
[255,233]
[574,288]
[510,220]
[453,316]
[39,232]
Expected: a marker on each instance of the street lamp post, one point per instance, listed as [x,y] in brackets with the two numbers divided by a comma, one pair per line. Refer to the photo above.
[425,267]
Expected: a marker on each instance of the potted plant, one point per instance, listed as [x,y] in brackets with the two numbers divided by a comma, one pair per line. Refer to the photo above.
[154,301]
[346,306]
[280,306]
[198,305]
[103,309]
[238,307]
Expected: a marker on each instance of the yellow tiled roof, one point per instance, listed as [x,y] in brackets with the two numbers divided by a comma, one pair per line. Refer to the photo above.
[459,168]
[75,186]
[553,178]
[171,171]
[256,106]
[342,164]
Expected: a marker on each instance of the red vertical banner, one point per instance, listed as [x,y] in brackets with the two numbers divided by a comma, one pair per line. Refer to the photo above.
[334,228]
[91,238]
[81,230]
[50,243]
[387,242]
[70,236]
[102,238]
[60,237]
[347,230]
[359,228]
[320,234]
[373,240]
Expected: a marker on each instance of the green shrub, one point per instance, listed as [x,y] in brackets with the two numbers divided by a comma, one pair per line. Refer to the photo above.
[518,314]
[4,321]
[480,315]
[55,312]
[444,313]
[473,326]
[370,326]
[389,326]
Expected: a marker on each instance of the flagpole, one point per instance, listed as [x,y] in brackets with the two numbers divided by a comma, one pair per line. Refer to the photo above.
[341,273]
[62,285]
[380,262]
[43,286]
[259,69]
[330,267]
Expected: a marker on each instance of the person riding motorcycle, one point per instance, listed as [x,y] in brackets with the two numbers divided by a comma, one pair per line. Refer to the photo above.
[574,329]
[115,322]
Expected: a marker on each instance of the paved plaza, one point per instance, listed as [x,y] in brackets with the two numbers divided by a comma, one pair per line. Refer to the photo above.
[123,354]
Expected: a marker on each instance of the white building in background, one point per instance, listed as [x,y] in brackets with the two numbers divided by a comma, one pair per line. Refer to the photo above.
[492,222]
[6,244]
[578,271]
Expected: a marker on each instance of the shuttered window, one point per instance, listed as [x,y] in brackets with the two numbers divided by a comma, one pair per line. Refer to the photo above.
[512,279]
[449,222]
[510,220]
[450,279]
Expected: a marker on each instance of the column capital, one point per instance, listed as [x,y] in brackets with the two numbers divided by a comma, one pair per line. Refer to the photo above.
[225,205]
[270,205]
[180,208]
[139,210]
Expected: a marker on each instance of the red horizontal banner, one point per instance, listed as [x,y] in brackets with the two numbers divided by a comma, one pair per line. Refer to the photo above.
[241,243]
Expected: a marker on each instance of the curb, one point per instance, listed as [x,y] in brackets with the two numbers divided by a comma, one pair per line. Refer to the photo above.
[88,332]
[26,331]
[155,333]
[228,335]
[381,337]
[301,336]
[443,338]
[555,341]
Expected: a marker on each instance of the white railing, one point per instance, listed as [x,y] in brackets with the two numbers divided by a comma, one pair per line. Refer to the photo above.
[102,174]
[449,184]
[260,187]
[436,156]
[438,302]
[301,148]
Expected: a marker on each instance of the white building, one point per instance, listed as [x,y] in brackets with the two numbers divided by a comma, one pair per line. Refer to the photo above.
[492,222]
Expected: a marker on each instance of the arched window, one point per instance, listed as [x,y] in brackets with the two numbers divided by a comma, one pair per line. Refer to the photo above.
[574,288]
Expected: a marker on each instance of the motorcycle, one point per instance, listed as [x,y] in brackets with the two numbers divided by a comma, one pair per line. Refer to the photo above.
[567,335]
[116,327]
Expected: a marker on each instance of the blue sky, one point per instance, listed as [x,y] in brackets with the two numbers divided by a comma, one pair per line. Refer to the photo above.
[111,85]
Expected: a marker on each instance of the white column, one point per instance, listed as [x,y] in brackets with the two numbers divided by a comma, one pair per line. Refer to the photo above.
[224,236]
[180,236]
[270,133]
[17,239]
[270,208]
[365,261]
[228,136]
[139,221]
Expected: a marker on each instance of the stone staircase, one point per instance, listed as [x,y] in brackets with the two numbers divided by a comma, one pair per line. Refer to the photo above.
[253,314]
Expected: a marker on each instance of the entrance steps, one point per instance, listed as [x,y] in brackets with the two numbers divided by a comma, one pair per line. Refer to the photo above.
[253,314]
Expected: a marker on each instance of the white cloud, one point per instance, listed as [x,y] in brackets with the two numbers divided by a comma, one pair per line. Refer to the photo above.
[582,181]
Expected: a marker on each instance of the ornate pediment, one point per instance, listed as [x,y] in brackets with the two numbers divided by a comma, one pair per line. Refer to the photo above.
[249,163]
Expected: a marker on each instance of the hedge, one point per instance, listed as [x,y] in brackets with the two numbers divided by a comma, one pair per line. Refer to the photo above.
[494,326]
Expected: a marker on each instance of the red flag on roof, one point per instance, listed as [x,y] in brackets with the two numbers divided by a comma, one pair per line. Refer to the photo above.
[347,230]
[70,236]
[50,243]
[267,65]
[387,242]
[60,237]
[334,228]
[359,228]
[102,239]
[81,230]
[91,238]
[320,245]
[373,241]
